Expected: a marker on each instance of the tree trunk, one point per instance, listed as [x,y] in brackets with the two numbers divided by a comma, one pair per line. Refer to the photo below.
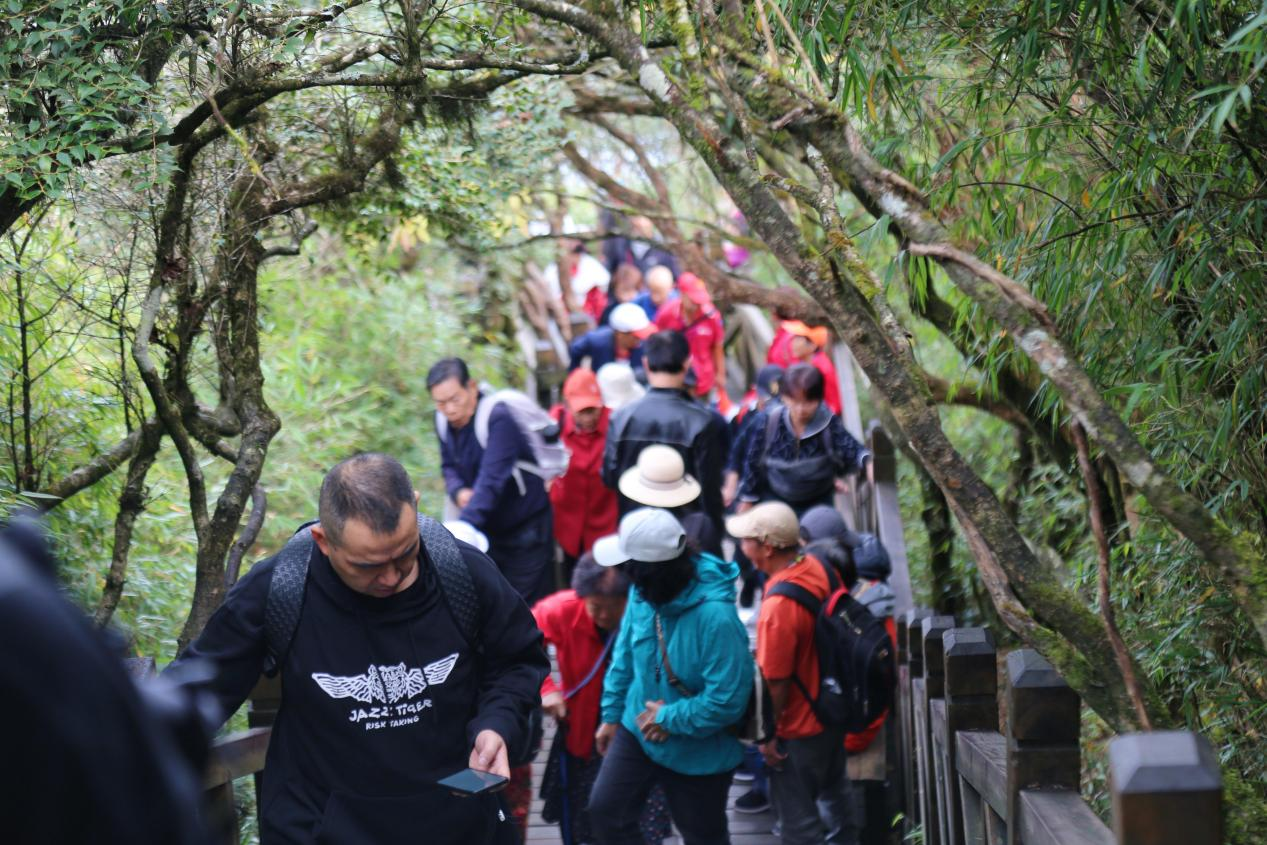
[1069,634]
[131,505]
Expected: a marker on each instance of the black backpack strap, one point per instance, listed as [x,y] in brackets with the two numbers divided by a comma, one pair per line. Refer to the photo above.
[798,594]
[456,583]
[288,583]
[807,600]
[814,605]
[829,445]
[771,426]
[285,600]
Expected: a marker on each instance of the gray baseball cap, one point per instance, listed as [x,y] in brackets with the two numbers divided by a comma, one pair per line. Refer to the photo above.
[652,535]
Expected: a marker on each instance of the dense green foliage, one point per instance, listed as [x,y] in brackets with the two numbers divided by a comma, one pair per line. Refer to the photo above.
[351,337]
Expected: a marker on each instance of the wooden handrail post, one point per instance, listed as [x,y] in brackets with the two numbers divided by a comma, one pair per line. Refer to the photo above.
[934,628]
[1043,724]
[933,686]
[972,704]
[910,665]
[1167,789]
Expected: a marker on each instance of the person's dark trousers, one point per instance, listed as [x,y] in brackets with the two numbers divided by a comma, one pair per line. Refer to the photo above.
[754,763]
[800,508]
[697,803]
[525,555]
[811,794]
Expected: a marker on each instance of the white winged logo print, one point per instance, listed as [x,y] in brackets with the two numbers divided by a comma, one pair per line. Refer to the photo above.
[387,684]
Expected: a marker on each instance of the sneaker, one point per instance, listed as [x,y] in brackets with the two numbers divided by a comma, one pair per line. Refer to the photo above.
[744,776]
[752,802]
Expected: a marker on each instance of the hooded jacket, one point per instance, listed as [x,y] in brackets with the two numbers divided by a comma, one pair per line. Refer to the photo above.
[578,646]
[708,651]
[584,509]
[381,697]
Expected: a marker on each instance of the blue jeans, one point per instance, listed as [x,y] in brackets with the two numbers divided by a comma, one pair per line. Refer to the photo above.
[755,763]
[697,803]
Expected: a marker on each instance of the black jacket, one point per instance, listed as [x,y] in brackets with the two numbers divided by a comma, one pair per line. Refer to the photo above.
[381,697]
[668,417]
[87,761]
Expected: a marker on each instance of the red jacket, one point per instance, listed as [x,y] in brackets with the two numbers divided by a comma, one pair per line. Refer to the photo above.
[781,348]
[831,384]
[564,621]
[584,508]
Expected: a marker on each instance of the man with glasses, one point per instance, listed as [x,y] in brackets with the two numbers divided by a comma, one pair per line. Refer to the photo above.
[510,507]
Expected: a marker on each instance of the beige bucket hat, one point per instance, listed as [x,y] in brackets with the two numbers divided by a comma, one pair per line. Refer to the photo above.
[659,479]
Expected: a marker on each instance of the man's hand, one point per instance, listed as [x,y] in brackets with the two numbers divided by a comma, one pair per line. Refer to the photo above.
[730,488]
[463,497]
[554,706]
[603,737]
[651,730]
[773,756]
[489,754]
[744,506]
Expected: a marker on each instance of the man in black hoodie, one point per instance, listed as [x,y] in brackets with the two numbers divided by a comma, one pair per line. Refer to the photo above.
[382,693]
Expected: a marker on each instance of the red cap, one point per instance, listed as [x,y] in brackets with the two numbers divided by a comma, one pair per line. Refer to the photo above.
[690,286]
[816,335]
[580,391]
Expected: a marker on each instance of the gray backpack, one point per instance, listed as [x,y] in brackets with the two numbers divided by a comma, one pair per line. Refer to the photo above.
[549,456]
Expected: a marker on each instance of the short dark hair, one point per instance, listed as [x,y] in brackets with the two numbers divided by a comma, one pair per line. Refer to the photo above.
[369,487]
[447,368]
[803,381]
[666,352]
[590,579]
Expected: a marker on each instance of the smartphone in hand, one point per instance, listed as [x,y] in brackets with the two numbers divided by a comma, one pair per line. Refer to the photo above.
[472,782]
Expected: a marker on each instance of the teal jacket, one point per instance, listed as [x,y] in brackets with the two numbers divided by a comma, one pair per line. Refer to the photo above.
[708,650]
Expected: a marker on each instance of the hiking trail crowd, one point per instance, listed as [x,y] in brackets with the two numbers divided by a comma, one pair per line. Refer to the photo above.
[711,616]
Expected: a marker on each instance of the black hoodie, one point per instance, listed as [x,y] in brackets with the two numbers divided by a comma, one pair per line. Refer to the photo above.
[381,697]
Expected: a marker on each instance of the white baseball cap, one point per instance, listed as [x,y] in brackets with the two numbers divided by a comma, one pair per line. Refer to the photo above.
[652,535]
[619,385]
[630,317]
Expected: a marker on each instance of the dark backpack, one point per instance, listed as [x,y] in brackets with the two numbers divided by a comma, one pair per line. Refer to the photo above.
[289,581]
[856,668]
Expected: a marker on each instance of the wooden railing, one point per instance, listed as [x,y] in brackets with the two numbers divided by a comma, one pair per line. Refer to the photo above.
[238,756]
[234,756]
[973,779]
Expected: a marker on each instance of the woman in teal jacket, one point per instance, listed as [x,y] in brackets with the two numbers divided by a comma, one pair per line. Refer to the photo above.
[664,720]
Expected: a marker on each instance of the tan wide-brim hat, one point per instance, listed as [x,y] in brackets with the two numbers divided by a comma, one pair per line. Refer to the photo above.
[659,479]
